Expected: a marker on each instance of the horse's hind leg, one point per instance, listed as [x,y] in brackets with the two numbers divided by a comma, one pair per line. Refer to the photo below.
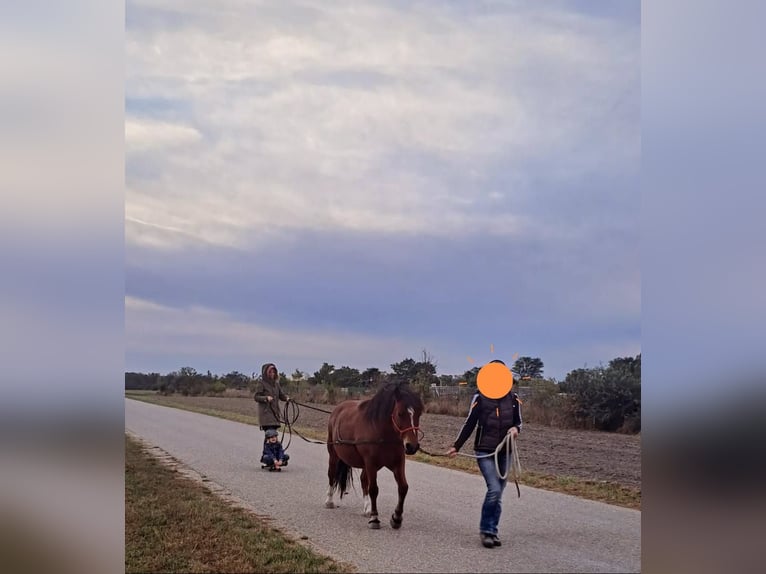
[372,478]
[366,492]
[401,481]
[331,473]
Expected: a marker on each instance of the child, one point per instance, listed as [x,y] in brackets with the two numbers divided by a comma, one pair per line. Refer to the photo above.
[273,456]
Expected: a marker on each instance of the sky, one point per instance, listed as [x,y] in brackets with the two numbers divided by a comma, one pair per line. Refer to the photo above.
[355,182]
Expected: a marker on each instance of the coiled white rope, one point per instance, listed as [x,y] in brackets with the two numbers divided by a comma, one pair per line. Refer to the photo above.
[514,469]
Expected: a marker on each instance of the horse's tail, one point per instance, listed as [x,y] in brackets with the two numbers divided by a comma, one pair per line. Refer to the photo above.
[344,477]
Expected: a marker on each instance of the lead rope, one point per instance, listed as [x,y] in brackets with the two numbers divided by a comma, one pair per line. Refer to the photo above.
[288,422]
[512,452]
[509,444]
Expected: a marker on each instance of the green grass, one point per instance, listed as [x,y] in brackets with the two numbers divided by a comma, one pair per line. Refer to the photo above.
[602,491]
[173,524]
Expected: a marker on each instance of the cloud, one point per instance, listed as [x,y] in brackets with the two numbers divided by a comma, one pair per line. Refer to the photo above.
[449,298]
[147,135]
[365,116]
[209,335]
[464,173]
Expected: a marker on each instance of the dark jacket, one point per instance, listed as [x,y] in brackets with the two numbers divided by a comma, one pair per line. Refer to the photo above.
[267,412]
[274,450]
[494,418]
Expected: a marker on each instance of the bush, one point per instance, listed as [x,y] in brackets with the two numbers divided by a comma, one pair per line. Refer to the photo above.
[456,406]
[607,398]
[217,388]
[545,404]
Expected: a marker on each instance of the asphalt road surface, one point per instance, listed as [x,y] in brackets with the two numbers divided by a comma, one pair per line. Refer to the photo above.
[541,532]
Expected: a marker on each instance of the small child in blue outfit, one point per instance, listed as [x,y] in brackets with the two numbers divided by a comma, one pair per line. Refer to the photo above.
[274,457]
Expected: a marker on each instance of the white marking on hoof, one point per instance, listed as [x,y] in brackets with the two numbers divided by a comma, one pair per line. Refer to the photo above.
[328,503]
[367,506]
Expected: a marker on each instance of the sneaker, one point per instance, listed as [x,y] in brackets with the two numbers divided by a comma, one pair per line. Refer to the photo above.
[487,540]
[496,540]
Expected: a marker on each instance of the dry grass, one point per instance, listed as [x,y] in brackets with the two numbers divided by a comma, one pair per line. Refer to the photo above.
[173,524]
[599,490]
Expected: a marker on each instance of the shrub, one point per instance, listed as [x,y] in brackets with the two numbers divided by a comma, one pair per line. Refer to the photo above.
[607,398]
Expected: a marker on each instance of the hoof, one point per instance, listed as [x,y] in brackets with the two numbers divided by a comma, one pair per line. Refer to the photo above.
[374,524]
[329,505]
[396,523]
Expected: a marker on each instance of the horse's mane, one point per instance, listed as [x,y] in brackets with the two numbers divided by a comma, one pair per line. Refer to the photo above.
[380,407]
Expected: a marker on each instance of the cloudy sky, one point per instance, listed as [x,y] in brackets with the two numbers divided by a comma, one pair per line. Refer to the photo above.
[353,182]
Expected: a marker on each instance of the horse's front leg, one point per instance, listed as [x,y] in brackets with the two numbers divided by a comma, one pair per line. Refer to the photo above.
[401,481]
[372,479]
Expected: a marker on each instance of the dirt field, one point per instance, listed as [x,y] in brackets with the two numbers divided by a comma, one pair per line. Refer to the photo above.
[590,455]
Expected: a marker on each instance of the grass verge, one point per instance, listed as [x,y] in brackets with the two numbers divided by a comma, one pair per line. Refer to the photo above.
[601,491]
[173,524]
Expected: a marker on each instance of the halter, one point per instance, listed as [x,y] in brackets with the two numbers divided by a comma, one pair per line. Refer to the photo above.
[414,428]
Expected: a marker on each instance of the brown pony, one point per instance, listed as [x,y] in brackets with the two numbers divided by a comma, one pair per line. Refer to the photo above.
[370,434]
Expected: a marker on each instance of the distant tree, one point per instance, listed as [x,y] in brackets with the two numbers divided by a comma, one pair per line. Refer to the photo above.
[528,368]
[142,381]
[345,377]
[371,377]
[470,376]
[446,380]
[410,370]
[405,369]
[323,376]
[420,374]
[631,365]
[297,375]
[236,380]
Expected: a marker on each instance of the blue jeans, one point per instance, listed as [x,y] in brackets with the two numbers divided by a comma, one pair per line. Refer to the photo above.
[493,500]
[269,460]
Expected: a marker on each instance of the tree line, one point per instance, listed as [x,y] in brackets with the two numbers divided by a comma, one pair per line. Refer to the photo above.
[422,372]
[602,398]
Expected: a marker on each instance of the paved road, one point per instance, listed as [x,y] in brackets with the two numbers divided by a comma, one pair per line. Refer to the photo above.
[542,531]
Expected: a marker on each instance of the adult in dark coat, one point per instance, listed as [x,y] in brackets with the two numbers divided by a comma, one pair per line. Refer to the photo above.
[268,393]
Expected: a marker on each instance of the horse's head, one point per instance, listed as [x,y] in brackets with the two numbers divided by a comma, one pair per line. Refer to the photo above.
[406,419]
[398,406]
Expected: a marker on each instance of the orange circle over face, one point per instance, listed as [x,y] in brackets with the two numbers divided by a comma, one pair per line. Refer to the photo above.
[494,380]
